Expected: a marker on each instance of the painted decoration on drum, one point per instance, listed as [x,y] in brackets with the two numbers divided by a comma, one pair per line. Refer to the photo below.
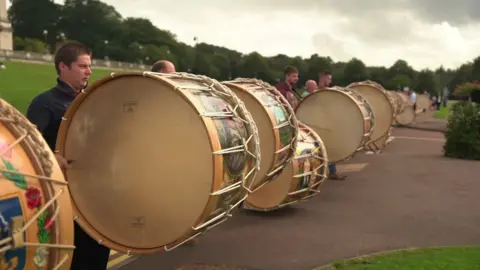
[8,154]
[33,197]
[303,167]
[10,209]
[231,132]
[285,132]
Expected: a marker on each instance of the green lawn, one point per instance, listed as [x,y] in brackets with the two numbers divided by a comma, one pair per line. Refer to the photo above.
[444,111]
[450,258]
[20,82]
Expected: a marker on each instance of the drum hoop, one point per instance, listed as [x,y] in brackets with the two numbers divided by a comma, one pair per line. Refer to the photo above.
[76,104]
[43,163]
[382,90]
[336,89]
[292,118]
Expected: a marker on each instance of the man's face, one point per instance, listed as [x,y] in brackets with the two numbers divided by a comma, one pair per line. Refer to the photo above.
[325,80]
[329,79]
[292,78]
[170,68]
[79,72]
[311,86]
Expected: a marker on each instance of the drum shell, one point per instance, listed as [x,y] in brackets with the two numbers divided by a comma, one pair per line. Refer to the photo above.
[22,197]
[382,108]
[290,187]
[276,122]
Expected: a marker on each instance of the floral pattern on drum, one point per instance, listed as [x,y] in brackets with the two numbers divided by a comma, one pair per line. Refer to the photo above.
[231,132]
[33,198]
[281,117]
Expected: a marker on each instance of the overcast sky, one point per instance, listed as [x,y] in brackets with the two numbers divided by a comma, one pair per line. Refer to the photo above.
[426,33]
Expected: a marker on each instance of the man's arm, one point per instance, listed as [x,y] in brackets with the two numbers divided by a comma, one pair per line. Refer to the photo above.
[39,114]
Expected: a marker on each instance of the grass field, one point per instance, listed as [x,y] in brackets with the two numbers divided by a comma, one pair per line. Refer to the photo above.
[444,111]
[451,258]
[20,82]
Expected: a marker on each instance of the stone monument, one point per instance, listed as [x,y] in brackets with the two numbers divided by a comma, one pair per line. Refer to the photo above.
[6,39]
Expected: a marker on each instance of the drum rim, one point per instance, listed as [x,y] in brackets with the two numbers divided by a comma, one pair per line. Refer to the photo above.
[79,217]
[365,131]
[382,90]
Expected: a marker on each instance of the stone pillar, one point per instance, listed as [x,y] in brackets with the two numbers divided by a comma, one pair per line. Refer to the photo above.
[6,37]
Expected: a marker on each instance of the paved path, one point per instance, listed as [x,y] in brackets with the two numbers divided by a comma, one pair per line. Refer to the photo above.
[407,196]
[425,120]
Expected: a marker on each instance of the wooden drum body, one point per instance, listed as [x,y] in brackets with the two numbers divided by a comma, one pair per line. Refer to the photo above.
[407,114]
[423,102]
[36,217]
[382,108]
[340,117]
[276,123]
[157,158]
[300,180]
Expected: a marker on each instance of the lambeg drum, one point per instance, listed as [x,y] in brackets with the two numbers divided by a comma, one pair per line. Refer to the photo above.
[157,159]
[276,122]
[341,117]
[36,217]
[300,180]
[382,108]
[396,102]
[423,102]
[407,114]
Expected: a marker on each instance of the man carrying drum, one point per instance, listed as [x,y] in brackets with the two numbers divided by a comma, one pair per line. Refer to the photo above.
[72,63]
[324,81]
[286,88]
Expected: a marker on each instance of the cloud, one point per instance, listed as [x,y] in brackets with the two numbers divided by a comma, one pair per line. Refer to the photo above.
[425,33]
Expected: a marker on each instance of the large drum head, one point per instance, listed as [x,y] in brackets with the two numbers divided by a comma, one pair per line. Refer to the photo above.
[336,118]
[381,107]
[143,163]
[273,193]
[423,102]
[406,117]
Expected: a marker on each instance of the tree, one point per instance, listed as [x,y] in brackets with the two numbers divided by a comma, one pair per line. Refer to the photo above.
[425,81]
[138,40]
[355,71]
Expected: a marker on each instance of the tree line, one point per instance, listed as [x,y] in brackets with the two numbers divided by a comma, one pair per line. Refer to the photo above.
[40,25]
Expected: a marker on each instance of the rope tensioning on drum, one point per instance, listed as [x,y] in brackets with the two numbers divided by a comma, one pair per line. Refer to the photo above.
[14,121]
[292,122]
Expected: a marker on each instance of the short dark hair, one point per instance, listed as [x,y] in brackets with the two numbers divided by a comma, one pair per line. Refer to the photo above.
[159,66]
[290,70]
[324,73]
[69,52]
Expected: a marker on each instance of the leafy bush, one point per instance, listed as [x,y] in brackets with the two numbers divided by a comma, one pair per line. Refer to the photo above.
[466,89]
[463,131]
